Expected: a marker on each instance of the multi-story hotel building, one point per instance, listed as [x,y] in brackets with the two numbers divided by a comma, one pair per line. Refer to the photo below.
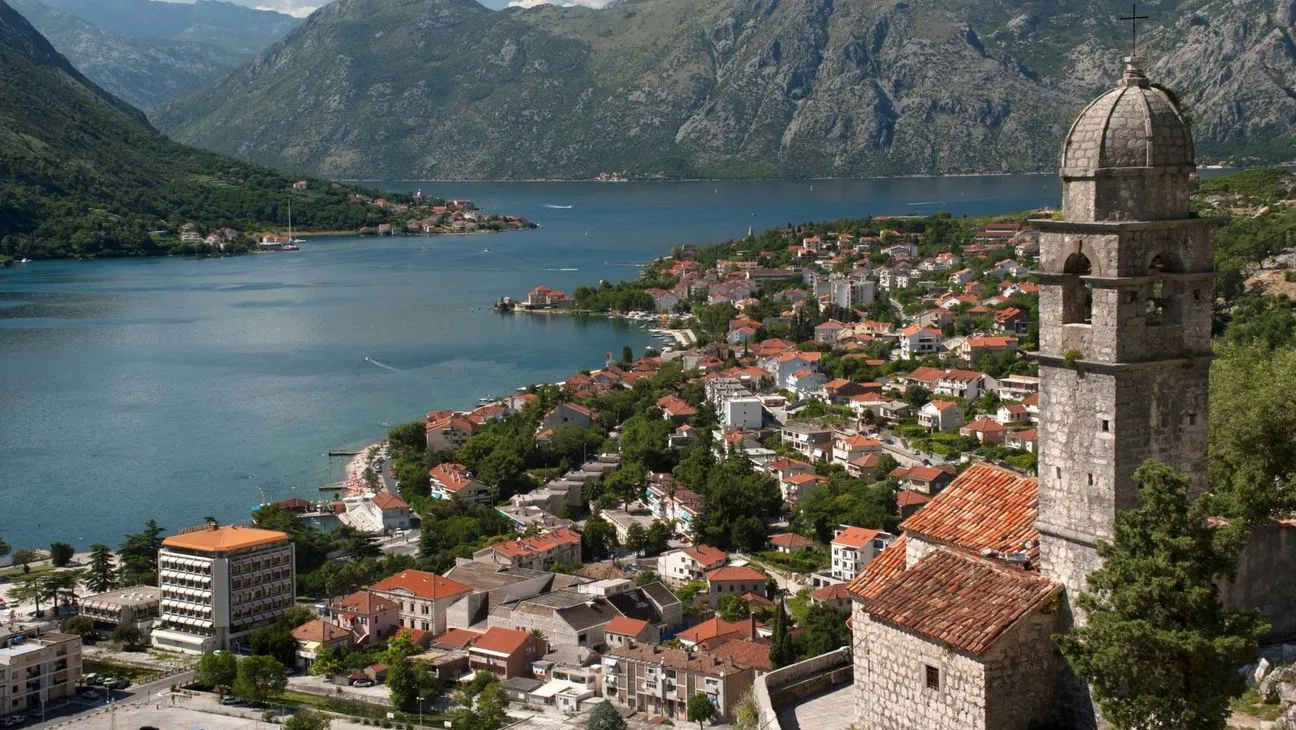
[221,583]
[37,669]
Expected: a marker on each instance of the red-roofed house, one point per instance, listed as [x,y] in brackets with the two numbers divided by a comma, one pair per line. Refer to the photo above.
[836,595]
[316,635]
[855,547]
[689,564]
[1024,440]
[829,331]
[395,512]
[368,616]
[974,347]
[929,480]
[944,416]
[447,431]
[422,597]
[622,630]
[542,296]
[790,542]
[864,466]
[675,408]
[848,448]
[745,653]
[916,341]
[561,546]
[733,579]
[566,414]
[908,502]
[984,430]
[715,631]
[506,653]
[453,481]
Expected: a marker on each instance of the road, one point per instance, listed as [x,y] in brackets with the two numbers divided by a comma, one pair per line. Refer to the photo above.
[74,712]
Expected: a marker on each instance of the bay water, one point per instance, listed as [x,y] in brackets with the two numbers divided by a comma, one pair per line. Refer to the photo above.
[182,388]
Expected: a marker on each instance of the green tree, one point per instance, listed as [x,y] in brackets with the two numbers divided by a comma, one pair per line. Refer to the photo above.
[82,626]
[781,651]
[4,548]
[823,630]
[217,669]
[24,557]
[1253,431]
[733,608]
[657,540]
[636,538]
[402,683]
[260,678]
[308,720]
[700,709]
[1159,649]
[605,717]
[598,540]
[328,661]
[627,354]
[60,586]
[128,635]
[61,554]
[28,588]
[137,557]
[101,575]
[274,641]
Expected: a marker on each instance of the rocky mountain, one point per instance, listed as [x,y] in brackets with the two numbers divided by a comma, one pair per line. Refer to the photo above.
[142,72]
[236,29]
[83,174]
[449,89]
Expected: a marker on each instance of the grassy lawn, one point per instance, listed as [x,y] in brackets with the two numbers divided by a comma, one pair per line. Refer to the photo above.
[136,675]
[1249,704]
[356,709]
[13,572]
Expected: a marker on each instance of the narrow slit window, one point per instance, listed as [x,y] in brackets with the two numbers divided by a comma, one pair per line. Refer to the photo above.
[933,677]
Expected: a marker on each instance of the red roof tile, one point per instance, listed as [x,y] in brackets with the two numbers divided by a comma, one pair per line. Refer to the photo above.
[888,563]
[365,603]
[500,640]
[541,543]
[319,631]
[960,599]
[834,592]
[790,540]
[985,508]
[422,584]
[625,626]
[745,653]
[387,500]
[705,555]
[458,638]
[735,572]
[714,628]
[855,537]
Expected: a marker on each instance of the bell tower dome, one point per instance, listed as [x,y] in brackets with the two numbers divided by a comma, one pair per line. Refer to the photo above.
[1125,315]
[1128,155]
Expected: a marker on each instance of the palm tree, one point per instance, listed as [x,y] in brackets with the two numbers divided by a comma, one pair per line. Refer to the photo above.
[28,590]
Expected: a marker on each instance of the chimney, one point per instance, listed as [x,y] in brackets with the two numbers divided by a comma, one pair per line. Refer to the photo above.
[752,619]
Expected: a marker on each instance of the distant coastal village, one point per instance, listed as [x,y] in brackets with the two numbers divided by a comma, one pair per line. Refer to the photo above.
[702,515]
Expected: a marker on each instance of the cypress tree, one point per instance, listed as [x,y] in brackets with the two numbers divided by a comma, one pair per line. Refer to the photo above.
[781,651]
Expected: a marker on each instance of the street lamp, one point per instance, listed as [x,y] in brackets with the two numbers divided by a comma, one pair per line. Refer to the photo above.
[420,701]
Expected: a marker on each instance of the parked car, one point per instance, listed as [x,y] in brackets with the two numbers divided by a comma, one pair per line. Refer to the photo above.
[232,700]
[117,683]
[90,695]
[362,683]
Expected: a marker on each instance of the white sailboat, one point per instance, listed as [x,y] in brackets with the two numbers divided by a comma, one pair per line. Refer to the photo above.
[293,244]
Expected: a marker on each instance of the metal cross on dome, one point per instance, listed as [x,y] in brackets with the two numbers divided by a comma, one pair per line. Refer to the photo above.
[1133,18]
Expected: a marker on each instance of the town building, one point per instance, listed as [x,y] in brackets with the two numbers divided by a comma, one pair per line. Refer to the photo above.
[423,598]
[37,670]
[733,580]
[220,583]
[138,606]
[659,681]
[315,636]
[505,653]
[853,548]
[561,546]
[690,564]
[453,481]
[368,617]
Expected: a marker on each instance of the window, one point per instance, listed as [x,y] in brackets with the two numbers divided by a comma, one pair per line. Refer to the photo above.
[1077,294]
[1091,480]
[1057,472]
[1106,425]
[933,677]
[1192,419]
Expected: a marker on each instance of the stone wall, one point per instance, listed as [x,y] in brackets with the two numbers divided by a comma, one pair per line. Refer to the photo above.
[791,684]
[1264,579]
[1012,687]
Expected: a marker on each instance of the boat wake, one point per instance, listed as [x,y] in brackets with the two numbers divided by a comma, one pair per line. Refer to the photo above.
[384,366]
[557,207]
[562,269]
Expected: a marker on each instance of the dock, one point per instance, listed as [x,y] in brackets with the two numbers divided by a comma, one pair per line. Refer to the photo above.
[341,452]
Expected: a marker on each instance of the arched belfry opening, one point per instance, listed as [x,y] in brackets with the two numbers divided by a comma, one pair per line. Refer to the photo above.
[1160,307]
[1077,293]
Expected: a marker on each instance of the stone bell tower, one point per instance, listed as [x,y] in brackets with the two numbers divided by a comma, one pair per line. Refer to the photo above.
[1125,316]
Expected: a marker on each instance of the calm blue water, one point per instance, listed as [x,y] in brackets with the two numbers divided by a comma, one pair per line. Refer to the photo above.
[177,388]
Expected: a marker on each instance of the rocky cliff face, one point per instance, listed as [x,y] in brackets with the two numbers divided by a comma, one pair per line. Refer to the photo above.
[448,89]
[143,73]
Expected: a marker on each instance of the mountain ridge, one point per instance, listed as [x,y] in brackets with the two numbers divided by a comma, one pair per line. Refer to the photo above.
[726,88]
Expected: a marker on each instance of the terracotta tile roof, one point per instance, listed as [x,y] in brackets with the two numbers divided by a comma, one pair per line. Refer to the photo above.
[745,653]
[985,508]
[699,662]
[500,640]
[387,500]
[541,543]
[867,461]
[834,592]
[888,563]
[860,442]
[319,631]
[909,498]
[926,473]
[714,628]
[451,476]
[790,540]
[365,603]
[706,555]
[457,638]
[986,425]
[224,539]
[422,584]
[942,405]
[1031,400]
[735,572]
[800,479]
[855,537]
[625,626]
[960,599]
[676,406]
[1030,434]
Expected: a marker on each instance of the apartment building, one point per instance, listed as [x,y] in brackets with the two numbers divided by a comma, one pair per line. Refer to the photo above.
[37,670]
[689,564]
[660,681]
[855,547]
[138,606]
[221,583]
[561,546]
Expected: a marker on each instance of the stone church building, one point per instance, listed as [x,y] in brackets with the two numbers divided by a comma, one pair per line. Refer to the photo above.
[952,624]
